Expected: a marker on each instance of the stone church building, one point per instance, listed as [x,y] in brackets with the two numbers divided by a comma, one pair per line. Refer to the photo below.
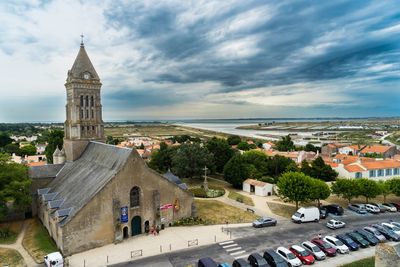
[94,193]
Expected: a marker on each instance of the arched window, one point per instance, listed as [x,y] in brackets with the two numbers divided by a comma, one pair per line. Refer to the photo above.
[81,100]
[135,197]
[91,101]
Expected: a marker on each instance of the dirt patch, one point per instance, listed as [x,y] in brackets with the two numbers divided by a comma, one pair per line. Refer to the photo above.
[241,198]
[284,210]
[37,241]
[217,212]
[9,232]
[11,257]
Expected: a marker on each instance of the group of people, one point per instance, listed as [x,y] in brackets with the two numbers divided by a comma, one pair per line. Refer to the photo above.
[153,230]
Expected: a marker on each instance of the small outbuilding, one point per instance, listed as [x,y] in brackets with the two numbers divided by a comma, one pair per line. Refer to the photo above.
[257,188]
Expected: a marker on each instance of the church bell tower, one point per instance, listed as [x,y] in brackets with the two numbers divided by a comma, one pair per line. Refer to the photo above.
[84,121]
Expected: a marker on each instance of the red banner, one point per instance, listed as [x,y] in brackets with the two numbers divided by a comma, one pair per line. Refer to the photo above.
[166,206]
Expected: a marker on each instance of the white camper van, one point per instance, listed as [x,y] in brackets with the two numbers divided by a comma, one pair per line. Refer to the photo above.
[310,214]
[54,259]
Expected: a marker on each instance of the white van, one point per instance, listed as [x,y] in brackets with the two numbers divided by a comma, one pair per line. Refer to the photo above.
[310,214]
[54,259]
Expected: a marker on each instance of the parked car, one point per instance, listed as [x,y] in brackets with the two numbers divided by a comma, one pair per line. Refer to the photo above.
[323,213]
[353,246]
[305,257]
[395,223]
[372,209]
[240,263]
[389,234]
[263,222]
[288,256]
[256,260]
[325,247]
[337,244]
[54,259]
[334,209]
[314,250]
[310,214]
[372,240]
[376,233]
[391,207]
[274,259]
[358,239]
[392,227]
[380,206]
[359,208]
[207,262]
[397,205]
[335,224]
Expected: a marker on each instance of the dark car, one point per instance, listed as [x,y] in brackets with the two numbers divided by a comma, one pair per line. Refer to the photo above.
[387,233]
[256,260]
[263,222]
[373,241]
[397,205]
[353,246]
[274,259]
[240,263]
[334,209]
[207,262]
[358,239]
[325,247]
[323,213]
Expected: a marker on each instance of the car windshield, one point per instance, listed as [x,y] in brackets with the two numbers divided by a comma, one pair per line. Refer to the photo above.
[262,261]
[297,214]
[348,240]
[331,222]
[291,256]
[339,243]
[303,253]
[395,228]
[326,245]
[316,249]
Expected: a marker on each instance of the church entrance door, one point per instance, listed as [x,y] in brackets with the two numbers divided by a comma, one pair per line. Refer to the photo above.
[136,225]
[125,232]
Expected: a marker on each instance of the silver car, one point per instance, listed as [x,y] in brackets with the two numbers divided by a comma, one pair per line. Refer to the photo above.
[314,250]
[376,233]
[359,208]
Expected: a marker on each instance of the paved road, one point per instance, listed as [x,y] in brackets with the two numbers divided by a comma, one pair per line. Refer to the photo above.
[247,240]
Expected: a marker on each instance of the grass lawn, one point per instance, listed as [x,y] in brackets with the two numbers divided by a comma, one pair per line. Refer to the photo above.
[281,209]
[217,212]
[196,182]
[37,241]
[10,257]
[14,229]
[368,262]
[245,199]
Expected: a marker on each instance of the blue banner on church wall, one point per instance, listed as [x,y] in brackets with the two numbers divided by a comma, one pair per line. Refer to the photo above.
[124,214]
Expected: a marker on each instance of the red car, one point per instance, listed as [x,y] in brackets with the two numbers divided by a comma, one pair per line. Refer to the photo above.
[305,256]
[325,247]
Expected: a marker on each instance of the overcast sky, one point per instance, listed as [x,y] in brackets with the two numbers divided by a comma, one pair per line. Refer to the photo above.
[204,59]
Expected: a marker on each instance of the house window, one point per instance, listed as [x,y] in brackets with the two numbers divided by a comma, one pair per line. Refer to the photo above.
[358,175]
[81,114]
[388,172]
[81,100]
[380,172]
[135,197]
[372,173]
[87,101]
[91,101]
[395,171]
[87,114]
[92,113]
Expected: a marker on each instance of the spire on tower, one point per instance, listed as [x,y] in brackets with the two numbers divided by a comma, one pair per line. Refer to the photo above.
[82,44]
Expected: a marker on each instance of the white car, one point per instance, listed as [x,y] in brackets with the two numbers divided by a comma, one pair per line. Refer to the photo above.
[395,224]
[336,243]
[54,259]
[335,224]
[314,250]
[392,227]
[390,207]
[372,208]
[288,256]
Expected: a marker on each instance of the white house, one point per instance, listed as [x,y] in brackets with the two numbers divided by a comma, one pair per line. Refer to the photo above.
[257,187]
[376,169]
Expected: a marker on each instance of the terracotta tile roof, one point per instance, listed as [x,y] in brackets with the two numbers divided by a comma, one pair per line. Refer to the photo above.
[332,164]
[375,149]
[355,168]
[255,182]
[40,163]
[381,164]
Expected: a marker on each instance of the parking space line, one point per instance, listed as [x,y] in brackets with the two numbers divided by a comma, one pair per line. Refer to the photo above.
[241,256]
[229,246]
[238,252]
[233,249]
[226,242]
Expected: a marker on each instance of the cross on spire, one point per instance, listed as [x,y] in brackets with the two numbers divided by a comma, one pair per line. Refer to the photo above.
[82,39]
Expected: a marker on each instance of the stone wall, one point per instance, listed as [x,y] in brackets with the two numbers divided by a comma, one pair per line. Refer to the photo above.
[387,255]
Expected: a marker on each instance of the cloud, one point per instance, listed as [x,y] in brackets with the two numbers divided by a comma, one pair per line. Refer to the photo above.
[204,58]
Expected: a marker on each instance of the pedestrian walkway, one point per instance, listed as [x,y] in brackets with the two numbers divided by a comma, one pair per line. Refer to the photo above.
[169,239]
[18,247]
[233,249]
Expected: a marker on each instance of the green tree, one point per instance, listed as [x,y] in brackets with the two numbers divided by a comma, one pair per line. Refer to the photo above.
[243,145]
[259,160]
[190,160]
[222,152]
[286,144]
[368,188]
[320,191]
[279,164]
[346,188]
[5,139]
[395,186]
[236,170]
[295,186]
[320,170]
[234,140]
[28,150]
[55,140]
[385,188]
[161,160]
[311,147]
[12,148]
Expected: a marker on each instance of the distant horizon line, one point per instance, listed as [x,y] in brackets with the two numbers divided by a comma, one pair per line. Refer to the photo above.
[218,119]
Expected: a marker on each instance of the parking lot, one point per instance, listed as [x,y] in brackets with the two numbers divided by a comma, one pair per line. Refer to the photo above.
[247,240]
